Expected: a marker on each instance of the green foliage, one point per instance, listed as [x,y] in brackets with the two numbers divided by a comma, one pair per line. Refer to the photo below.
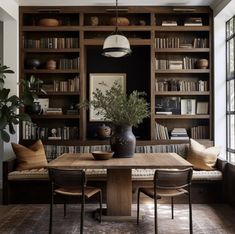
[9,105]
[30,88]
[119,108]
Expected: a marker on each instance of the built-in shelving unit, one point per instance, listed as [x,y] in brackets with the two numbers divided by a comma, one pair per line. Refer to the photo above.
[179,48]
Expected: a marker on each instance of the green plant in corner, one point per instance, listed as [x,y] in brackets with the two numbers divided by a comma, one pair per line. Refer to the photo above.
[9,106]
[119,108]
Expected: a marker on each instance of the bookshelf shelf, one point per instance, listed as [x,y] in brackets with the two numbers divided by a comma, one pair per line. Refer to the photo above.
[51,29]
[55,116]
[180,93]
[58,94]
[182,50]
[182,28]
[72,50]
[173,117]
[178,71]
[38,71]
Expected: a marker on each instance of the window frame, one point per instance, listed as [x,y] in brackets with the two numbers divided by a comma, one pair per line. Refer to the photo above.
[229,78]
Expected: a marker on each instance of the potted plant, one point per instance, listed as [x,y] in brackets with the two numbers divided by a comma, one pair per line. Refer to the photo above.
[124,111]
[9,106]
[31,87]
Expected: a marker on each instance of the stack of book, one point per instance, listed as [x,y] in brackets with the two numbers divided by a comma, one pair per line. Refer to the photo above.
[53,111]
[175,64]
[169,23]
[193,21]
[179,134]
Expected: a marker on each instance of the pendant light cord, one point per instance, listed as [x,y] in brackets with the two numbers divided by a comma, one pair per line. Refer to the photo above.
[116,16]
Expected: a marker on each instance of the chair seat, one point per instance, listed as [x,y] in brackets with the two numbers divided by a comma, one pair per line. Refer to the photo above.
[89,191]
[163,192]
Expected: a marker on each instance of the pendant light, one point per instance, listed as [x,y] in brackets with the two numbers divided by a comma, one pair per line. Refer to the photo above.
[116,45]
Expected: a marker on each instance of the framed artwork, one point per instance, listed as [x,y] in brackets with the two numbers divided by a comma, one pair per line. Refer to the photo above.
[103,82]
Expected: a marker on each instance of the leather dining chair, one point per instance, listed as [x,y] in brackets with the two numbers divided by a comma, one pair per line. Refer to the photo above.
[71,183]
[168,183]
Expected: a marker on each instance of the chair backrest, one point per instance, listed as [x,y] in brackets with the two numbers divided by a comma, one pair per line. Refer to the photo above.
[67,177]
[173,179]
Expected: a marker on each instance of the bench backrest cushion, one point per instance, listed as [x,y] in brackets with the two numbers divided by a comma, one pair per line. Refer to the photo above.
[201,157]
[30,158]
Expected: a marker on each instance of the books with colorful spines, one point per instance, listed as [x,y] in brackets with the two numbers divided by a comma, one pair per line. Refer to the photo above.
[169,23]
[193,21]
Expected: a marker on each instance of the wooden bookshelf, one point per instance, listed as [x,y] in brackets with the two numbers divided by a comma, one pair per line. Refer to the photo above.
[144,28]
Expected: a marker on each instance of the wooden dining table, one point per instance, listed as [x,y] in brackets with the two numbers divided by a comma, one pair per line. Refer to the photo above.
[119,178]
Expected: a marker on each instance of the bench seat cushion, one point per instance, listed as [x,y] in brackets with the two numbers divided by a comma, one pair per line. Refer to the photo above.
[96,174]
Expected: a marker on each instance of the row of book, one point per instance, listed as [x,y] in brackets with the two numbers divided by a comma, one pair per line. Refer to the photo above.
[176,42]
[65,63]
[185,63]
[70,85]
[30,131]
[198,132]
[52,43]
[191,21]
[181,85]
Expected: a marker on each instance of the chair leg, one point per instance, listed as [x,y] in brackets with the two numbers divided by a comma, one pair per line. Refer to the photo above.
[82,214]
[64,207]
[155,213]
[138,205]
[100,197]
[172,207]
[51,212]
[190,213]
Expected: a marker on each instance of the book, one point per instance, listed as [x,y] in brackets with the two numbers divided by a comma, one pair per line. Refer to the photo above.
[164,112]
[188,106]
[193,21]
[169,23]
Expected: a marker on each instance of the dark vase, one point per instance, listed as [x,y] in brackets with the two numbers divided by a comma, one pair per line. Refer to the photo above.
[123,142]
[35,108]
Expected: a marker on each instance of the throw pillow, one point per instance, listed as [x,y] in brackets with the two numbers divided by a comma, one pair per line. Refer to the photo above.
[201,157]
[30,158]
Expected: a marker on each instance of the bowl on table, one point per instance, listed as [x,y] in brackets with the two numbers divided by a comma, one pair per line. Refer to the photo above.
[102,155]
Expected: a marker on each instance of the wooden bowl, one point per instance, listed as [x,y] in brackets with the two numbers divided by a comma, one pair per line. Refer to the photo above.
[47,22]
[202,63]
[102,155]
[121,21]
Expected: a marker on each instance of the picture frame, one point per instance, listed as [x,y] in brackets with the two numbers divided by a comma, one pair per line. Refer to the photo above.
[202,108]
[96,82]
[188,106]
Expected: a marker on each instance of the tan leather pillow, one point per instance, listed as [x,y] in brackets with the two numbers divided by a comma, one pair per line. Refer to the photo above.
[201,157]
[30,158]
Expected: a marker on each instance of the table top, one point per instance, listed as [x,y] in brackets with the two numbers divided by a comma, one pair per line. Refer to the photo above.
[139,160]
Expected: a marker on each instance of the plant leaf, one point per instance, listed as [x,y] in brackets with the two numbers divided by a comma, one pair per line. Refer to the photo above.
[5,136]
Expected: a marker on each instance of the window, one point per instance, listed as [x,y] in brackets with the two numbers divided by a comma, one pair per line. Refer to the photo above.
[230,89]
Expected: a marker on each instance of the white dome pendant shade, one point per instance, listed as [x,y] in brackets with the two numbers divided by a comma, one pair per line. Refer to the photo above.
[116,46]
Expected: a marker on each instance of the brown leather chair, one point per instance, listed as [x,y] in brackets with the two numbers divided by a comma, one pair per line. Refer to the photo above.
[71,183]
[168,183]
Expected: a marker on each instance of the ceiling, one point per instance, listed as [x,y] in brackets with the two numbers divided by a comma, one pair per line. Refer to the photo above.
[120,2]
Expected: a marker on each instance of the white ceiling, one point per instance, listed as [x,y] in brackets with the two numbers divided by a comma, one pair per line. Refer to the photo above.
[120,2]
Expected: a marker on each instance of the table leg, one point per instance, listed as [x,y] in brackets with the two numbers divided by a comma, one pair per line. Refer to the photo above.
[119,192]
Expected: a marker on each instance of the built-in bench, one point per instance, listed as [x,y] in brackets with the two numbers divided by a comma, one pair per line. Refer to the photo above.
[32,186]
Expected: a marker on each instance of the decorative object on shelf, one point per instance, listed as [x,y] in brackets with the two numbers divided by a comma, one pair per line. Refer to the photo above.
[51,64]
[102,155]
[103,82]
[120,21]
[32,63]
[34,109]
[116,45]
[48,22]
[202,63]
[94,21]
[188,106]
[124,111]
[8,106]
[202,108]
[142,22]
[103,131]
